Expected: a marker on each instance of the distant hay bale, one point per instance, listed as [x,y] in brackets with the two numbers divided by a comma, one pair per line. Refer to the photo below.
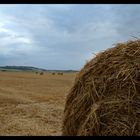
[3,70]
[41,73]
[105,98]
[60,73]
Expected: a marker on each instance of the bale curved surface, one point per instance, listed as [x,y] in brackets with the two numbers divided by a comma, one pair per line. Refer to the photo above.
[105,97]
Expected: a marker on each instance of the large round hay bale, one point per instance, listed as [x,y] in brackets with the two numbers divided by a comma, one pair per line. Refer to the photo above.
[105,97]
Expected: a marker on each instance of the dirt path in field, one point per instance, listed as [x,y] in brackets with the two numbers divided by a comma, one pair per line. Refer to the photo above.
[32,104]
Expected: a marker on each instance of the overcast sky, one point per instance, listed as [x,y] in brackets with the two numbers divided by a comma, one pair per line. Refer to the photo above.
[63,36]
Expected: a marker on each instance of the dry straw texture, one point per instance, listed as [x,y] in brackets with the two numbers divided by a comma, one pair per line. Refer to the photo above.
[105,98]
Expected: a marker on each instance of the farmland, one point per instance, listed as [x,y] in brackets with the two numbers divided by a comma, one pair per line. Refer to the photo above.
[32,104]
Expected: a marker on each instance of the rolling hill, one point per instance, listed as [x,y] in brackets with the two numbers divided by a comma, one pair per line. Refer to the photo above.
[29,68]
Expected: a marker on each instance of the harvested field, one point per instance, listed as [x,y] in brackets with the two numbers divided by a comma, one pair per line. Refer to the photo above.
[31,104]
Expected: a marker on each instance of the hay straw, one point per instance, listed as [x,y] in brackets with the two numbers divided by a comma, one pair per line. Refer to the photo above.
[105,97]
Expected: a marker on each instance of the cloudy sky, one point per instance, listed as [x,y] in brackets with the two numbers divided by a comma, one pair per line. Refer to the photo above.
[63,36]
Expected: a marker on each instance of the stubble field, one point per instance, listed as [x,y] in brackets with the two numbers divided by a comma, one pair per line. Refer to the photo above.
[32,104]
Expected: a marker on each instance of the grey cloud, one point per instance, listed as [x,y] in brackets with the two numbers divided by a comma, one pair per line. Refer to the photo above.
[63,36]
[127,19]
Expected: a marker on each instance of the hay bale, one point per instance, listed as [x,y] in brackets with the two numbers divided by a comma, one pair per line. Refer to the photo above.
[41,73]
[60,73]
[105,97]
[3,70]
